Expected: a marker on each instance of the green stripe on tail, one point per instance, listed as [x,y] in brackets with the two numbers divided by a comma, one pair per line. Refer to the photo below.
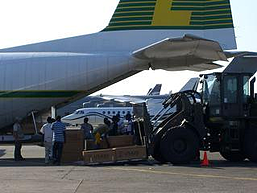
[171,14]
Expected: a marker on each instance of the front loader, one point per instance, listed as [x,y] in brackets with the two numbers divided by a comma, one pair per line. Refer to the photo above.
[221,116]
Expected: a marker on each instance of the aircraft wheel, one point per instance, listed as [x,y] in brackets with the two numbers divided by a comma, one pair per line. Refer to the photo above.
[179,145]
[233,156]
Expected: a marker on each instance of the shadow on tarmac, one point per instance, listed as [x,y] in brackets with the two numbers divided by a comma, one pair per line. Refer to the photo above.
[29,162]
[214,164]
[2,152]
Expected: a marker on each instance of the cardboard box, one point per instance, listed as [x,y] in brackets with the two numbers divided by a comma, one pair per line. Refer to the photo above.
[130,153]
[75,144]
[78,146]
[90,144]
[73,135]
[71,157]
[99,156]
[120,140]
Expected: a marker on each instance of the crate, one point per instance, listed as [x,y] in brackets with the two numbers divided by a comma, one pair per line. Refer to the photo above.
[72,157]
[74,135]
[120,140]
[75,144]
[115,154]
[130,153]
[90,144]
[99,156]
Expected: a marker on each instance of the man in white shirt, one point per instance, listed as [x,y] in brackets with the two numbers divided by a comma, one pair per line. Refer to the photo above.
[47,132]
[18,136]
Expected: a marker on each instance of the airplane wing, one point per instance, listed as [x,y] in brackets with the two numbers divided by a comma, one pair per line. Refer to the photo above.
[183,53]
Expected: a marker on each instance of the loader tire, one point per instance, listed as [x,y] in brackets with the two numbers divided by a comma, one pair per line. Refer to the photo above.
[233,156]
[179,145]
[158,157]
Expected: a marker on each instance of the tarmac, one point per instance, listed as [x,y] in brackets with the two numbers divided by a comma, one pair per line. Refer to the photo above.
[33,176]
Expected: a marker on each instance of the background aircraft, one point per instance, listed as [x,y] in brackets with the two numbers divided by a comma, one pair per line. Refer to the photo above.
[97,114]
[99,101]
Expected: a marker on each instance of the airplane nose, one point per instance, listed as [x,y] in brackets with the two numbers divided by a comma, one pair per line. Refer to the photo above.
[67,118]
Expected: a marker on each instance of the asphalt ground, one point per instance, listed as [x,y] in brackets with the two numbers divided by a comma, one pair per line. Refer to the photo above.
[33,176]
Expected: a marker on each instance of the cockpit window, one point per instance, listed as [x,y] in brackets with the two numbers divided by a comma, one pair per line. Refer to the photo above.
[79,112]
[211,90]
[230,89]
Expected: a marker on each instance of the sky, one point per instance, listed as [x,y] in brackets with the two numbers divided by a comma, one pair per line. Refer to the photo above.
[30,21]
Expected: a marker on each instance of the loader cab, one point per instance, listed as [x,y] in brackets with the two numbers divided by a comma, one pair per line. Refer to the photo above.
[226,95]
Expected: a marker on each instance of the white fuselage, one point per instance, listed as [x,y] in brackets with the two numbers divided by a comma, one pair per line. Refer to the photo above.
[37,76]
[38,81]
[96,115]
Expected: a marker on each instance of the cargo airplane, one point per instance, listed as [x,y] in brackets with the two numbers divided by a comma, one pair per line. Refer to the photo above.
[158,34]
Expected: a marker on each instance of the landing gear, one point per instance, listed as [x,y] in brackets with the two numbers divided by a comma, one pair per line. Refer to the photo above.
[233,156]
[179,145]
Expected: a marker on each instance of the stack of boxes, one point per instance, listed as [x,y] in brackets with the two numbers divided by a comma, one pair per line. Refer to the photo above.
[75,143]
[121,148]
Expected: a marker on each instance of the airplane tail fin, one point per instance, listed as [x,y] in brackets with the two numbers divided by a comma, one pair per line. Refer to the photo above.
[191,84]
[156,90]
[210,19]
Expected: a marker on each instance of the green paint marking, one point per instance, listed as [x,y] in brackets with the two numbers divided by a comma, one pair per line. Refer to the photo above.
[136,5]
[192,27]
[139,15]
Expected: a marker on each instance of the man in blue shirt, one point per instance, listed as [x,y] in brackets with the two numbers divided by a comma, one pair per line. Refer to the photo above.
[59,139]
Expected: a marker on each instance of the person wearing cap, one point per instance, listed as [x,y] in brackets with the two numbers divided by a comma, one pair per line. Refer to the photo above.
[47,132]
[18,136]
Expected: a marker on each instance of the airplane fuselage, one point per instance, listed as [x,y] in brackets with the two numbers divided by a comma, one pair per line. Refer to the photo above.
[37,81]
[37,76]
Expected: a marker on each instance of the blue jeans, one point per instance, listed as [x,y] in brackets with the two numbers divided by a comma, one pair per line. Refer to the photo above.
[17,150]
[57,152]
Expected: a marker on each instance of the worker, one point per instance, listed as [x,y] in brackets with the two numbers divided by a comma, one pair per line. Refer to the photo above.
[87,128]
[18,136]
[107,122]
[97,140]
[121,125]
[59,138]
[47,132]
[114,126]
[129,130]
